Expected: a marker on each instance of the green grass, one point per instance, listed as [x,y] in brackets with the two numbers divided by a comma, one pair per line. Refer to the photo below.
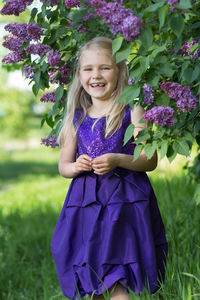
[31,197]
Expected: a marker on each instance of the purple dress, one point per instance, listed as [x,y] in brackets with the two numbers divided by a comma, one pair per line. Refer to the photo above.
[110,228]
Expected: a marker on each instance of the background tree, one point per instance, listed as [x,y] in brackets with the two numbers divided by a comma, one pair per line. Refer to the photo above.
[160,41]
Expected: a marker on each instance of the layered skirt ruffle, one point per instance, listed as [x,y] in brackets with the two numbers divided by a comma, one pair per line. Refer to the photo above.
[109,230]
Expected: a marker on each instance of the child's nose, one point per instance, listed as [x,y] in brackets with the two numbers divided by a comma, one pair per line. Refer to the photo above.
[96,74]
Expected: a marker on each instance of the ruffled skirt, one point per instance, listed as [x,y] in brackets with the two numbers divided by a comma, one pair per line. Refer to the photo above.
[109,230]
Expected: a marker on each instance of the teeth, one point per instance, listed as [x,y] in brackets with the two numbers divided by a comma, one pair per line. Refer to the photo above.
[97,84]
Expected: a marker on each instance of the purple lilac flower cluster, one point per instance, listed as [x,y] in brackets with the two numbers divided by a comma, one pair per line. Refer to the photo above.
[15,7]
[186,49]
[148,94]
[54,58]
[50,97]
[53,2]
[131,80]
[13,43]
[39,49]
[121,19]
[72,3]
[13,57]
[29,71]
[185,100]
[160,115]
[50,141]
[63,78]
[19,33]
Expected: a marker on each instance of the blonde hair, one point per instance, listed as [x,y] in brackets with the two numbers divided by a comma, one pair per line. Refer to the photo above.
[78,98]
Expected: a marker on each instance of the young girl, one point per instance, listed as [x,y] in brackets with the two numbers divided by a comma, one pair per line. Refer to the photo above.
[110,235]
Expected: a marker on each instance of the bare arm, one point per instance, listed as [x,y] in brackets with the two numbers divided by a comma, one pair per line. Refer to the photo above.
[68,166]
[107,162]
[142,163]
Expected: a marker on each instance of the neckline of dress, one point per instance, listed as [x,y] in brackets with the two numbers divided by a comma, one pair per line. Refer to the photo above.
[95,118]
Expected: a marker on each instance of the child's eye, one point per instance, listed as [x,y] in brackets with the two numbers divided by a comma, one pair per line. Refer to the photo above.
[105,68]
[87,69]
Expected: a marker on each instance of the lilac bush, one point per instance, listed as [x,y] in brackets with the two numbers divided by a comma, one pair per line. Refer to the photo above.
[159,39]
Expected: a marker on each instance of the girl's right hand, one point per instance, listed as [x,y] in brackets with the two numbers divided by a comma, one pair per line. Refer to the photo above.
[83,163]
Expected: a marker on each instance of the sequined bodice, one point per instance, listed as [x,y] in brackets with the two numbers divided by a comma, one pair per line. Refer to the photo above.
[94,143]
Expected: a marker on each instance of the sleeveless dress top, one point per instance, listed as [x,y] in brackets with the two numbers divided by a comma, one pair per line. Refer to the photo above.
[110,228]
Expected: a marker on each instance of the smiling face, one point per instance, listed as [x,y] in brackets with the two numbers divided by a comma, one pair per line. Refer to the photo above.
[98,74]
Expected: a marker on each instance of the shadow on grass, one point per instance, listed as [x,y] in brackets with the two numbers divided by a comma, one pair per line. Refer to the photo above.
[11,170]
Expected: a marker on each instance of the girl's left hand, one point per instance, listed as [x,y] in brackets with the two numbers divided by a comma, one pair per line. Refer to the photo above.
[104,163]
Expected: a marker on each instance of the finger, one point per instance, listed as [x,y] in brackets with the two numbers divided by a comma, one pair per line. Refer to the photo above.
[85,160]
[86,157]
[84,167]
[99,166]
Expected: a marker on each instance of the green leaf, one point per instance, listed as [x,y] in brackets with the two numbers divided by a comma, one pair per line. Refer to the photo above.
[157,51]
[130,93]
[128,133]
[137,151]
[194,48]
[162,13]
[196,73]
[163,149]
[150,149]
[171,154]
[146,38]
[59,93]
[123,54]
[197,194]
[34,12]
[166,69]
[181,146]
[142,138]
[42,122]
[197,128]
[184,4]
[135,61]
[163,100]
[177,24]
[116,44]
[44,67]
[37,77]
[188,136]
[154,7]
[188,74]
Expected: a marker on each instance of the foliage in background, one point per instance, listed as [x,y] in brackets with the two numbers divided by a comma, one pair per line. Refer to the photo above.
[159,39]
[15,112]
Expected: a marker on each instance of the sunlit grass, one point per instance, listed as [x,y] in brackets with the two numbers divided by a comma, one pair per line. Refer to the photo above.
[31,197]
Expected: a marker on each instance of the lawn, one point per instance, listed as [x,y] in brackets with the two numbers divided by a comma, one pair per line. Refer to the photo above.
[31,197]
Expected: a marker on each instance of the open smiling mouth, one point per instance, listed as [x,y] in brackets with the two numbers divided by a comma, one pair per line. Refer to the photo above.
[97,85]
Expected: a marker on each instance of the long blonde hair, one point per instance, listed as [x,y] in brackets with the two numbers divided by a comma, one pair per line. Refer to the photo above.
[78,98]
